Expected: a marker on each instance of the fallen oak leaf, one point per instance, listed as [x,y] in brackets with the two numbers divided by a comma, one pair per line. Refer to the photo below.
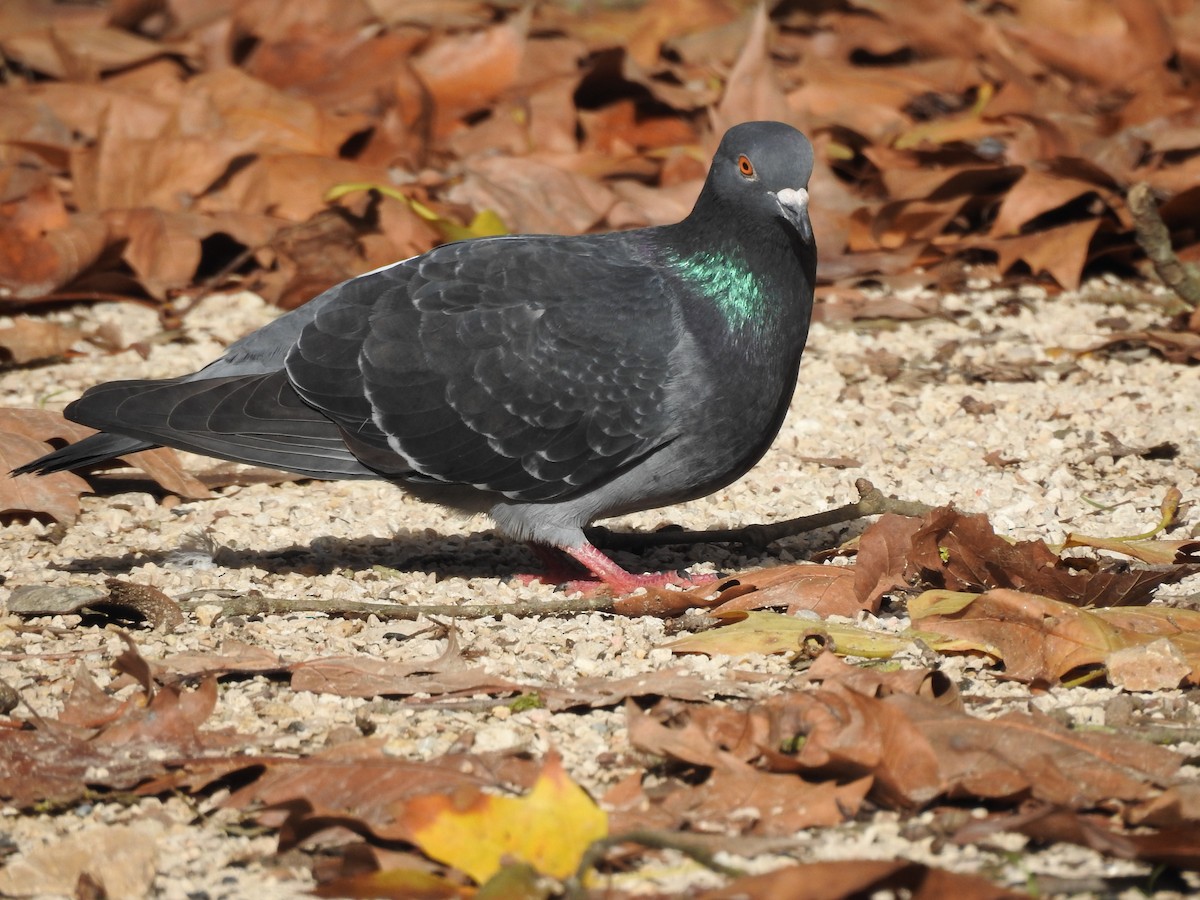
[30,340]
[845,879]
[57,761]
[1172,845]
[1038,639]
[47,427]
[53,496]
[1041,640]
[823,589]
[961,552]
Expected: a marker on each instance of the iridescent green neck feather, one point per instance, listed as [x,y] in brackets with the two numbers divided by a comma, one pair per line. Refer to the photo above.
[728,281]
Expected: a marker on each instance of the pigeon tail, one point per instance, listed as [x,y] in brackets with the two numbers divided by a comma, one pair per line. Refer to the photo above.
[90,451]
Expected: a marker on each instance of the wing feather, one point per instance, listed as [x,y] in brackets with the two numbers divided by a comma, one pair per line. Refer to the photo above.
[509,364]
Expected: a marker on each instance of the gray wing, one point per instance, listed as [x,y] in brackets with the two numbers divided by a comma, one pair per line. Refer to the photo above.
[529,366]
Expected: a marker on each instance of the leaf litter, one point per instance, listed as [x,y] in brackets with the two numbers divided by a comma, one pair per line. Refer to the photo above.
[961,134]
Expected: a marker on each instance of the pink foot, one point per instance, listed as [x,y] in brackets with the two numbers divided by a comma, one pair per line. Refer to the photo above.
[556,568]
[604,572]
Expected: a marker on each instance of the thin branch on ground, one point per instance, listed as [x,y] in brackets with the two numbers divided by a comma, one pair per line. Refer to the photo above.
[260,605]
[1155,241]
[871,502]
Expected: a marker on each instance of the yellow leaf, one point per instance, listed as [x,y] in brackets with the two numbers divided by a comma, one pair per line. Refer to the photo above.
[1156,553]
[767,632]
[939,603]
[967,126]
[350,187]
[487,222]
[1142,546]
[549,828]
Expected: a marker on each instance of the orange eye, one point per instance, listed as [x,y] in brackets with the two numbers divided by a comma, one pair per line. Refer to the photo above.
[745,166]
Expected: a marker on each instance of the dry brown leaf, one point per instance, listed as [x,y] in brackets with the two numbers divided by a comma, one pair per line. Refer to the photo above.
[911,750]
[30,340]
[930,684]
[123,859]
[735,795]
[361,785]
[962,553]
[1108,43]
[1035,193]
[852,305]
[751,90]
[826,590]
[464,73]
[42,245]
[52,496]
[1175,346]
[79,52]
[165,249]
[342,69]
[1157,666]
[45,426]
[533,195]
[853,878]
[58,761]
[1061,252]
[1171,846]
[882,561]
[1041,640]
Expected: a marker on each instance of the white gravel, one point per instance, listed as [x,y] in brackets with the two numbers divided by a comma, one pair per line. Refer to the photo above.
[902,419]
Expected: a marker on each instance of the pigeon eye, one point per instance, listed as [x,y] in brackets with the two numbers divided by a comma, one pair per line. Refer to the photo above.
[745,166]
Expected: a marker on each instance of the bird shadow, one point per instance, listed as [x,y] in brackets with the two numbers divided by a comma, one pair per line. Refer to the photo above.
[480,554]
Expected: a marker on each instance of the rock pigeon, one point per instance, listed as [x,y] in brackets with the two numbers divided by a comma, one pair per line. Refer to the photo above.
[546,380]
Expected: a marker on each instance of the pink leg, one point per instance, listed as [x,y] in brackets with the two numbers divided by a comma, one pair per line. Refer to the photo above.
[556,568]
[623,582]
[604,572]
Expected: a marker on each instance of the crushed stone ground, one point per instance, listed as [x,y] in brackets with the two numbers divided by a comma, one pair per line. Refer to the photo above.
[890,396]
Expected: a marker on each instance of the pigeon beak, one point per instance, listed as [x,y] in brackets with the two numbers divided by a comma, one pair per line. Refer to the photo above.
[793,206]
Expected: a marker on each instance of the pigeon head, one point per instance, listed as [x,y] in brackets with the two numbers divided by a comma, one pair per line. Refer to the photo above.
[763,168]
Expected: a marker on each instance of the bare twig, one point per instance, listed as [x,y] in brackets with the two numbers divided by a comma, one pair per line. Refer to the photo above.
[1155,241]
[871,502]
[259,605]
